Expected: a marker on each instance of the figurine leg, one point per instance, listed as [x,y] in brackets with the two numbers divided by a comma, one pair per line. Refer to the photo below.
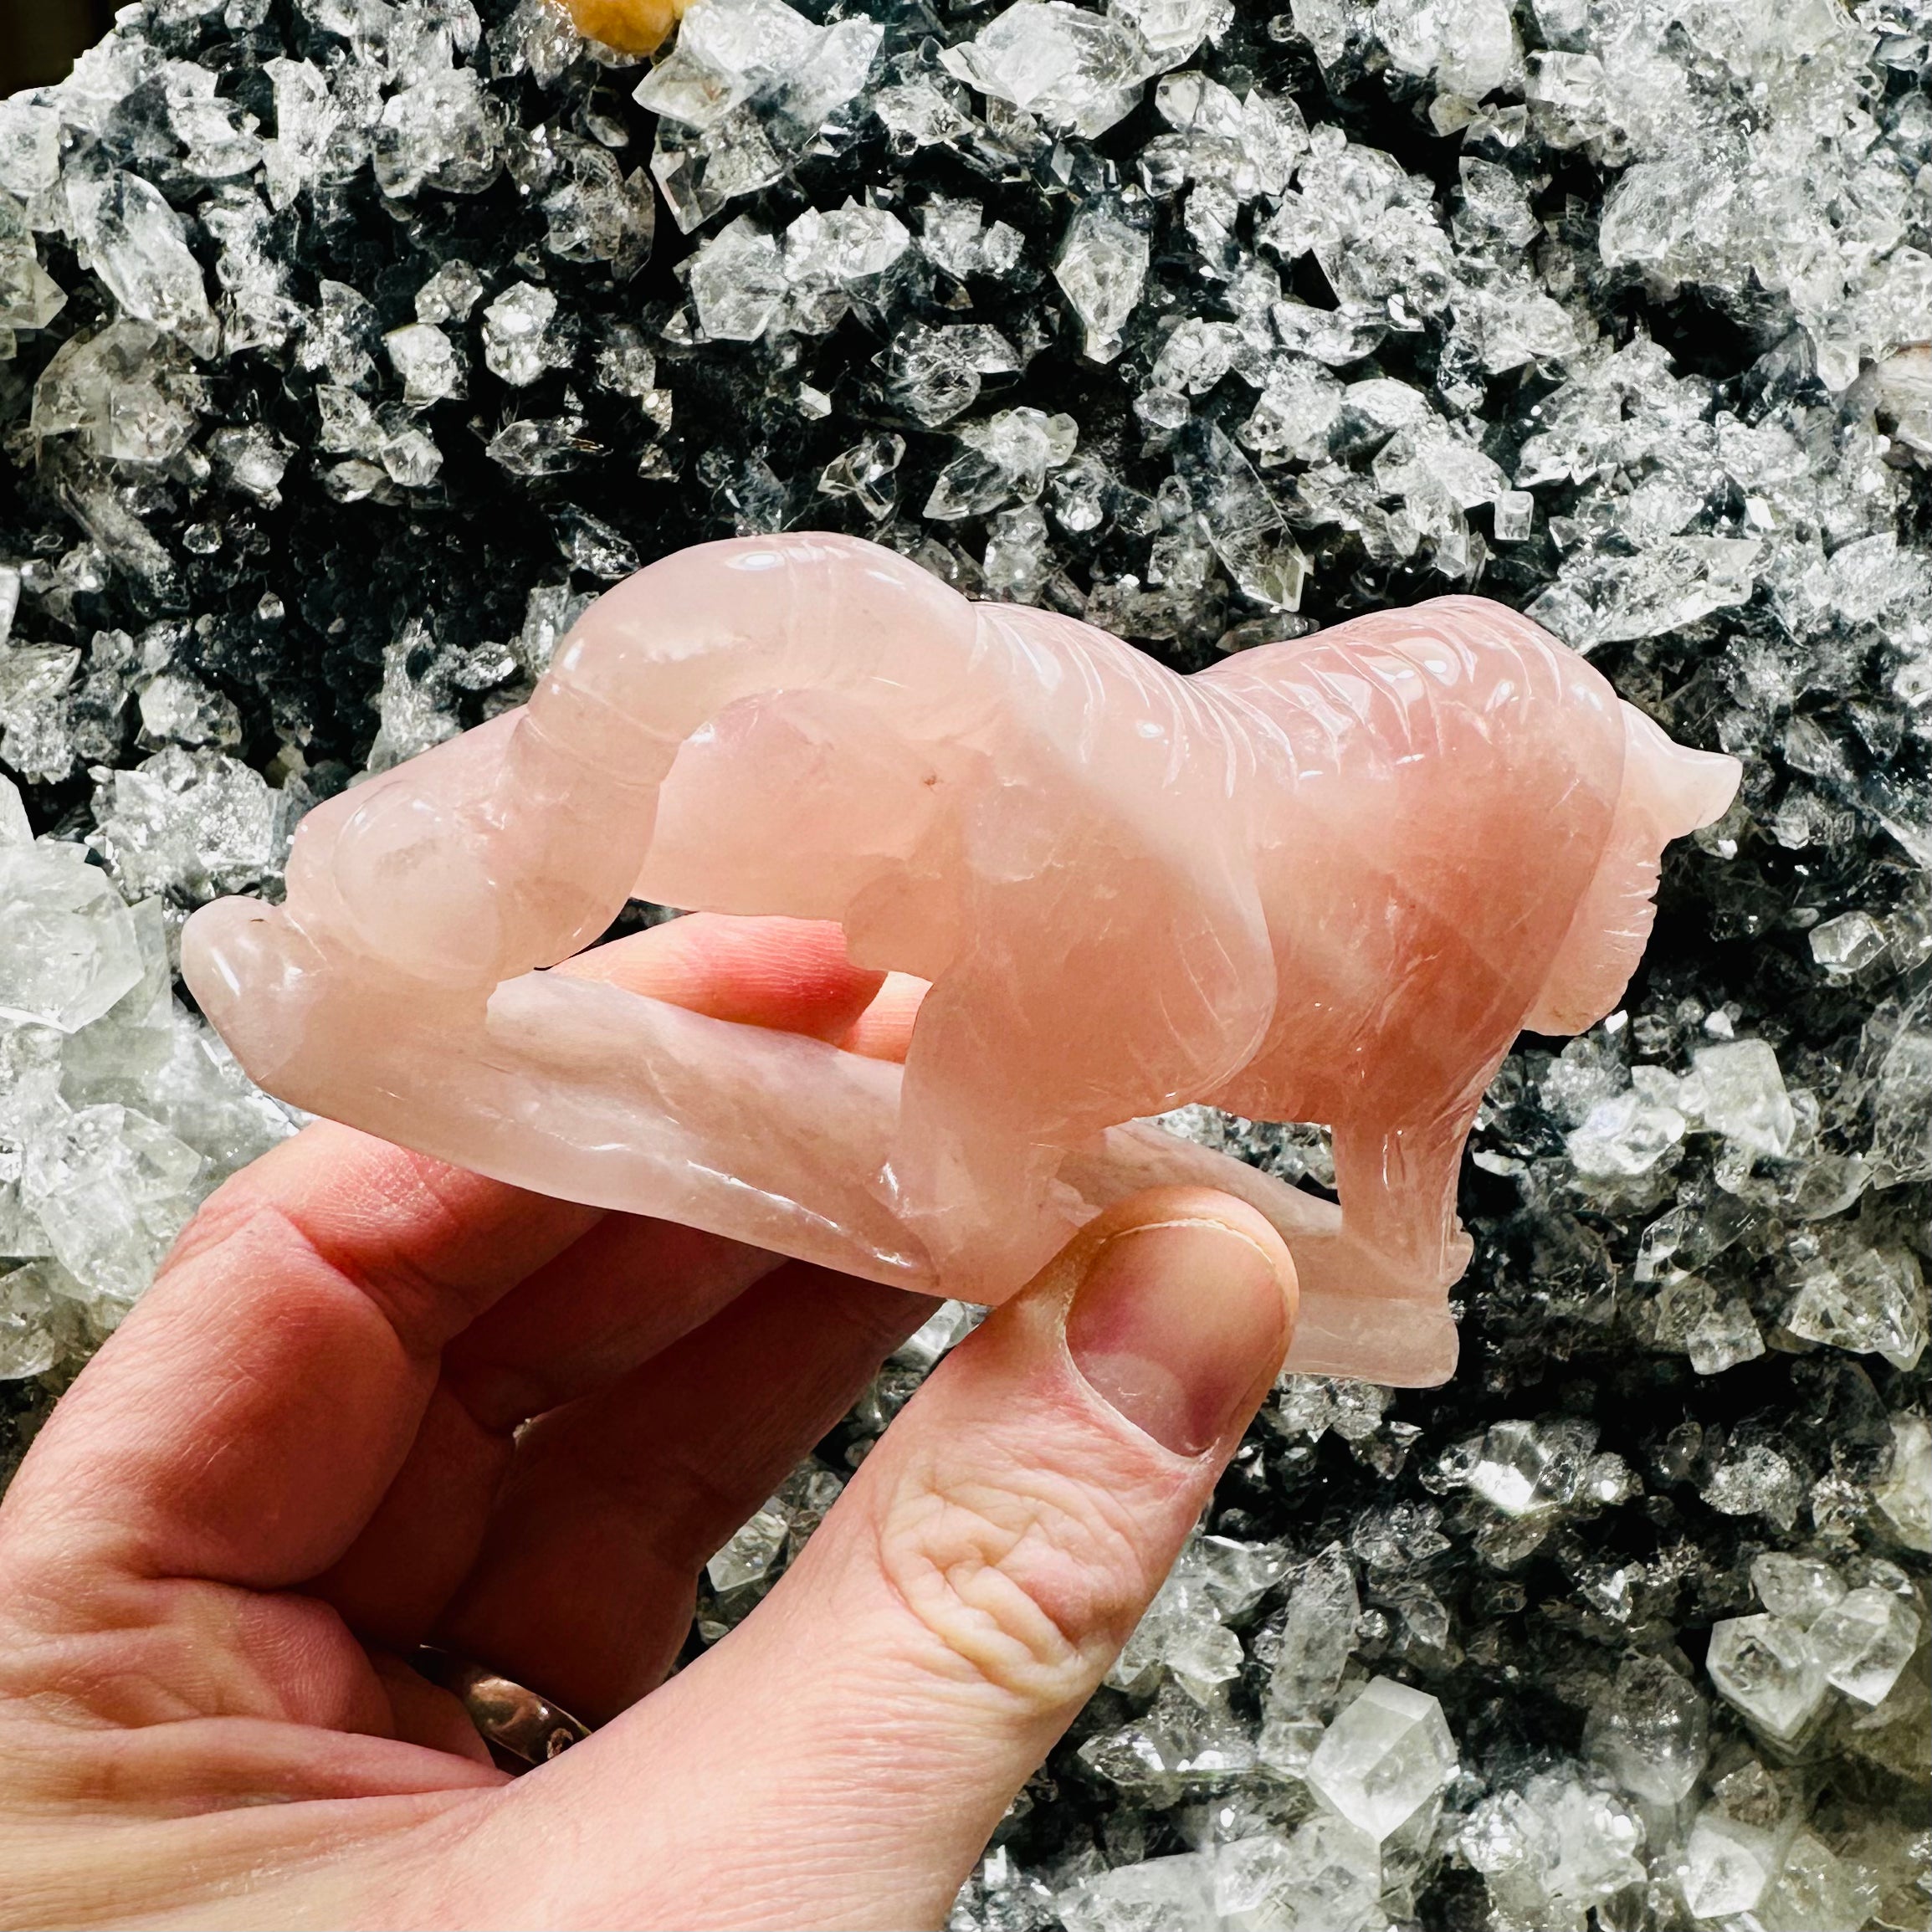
[1397,1184]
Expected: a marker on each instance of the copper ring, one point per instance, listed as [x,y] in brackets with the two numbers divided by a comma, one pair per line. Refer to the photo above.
[522,1729]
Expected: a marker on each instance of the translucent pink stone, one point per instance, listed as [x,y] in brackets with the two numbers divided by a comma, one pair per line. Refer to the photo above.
[1328,880]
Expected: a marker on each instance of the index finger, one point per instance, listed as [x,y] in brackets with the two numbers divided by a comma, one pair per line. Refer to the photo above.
[285,1351]
[292,1338]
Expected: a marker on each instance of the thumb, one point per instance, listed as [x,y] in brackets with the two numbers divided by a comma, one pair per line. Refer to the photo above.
[842,1757]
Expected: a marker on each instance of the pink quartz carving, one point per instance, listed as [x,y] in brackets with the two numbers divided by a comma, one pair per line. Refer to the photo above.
[1327,880]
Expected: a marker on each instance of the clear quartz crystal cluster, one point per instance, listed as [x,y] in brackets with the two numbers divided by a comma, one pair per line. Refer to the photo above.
[347,346]
[118,1109]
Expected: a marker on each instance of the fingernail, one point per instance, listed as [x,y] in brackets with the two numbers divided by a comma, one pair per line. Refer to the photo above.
[1174,1325]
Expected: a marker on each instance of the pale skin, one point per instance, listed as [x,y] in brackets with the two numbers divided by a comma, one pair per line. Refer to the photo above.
[373,1401]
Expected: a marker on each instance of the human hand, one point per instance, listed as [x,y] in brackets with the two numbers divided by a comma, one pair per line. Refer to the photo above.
[373,1401]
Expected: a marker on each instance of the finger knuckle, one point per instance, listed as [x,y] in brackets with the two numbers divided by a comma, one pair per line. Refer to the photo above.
[235,1211]
[1024,1579]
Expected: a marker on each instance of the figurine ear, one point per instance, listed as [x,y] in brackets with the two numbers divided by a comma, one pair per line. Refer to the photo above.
[1668,790]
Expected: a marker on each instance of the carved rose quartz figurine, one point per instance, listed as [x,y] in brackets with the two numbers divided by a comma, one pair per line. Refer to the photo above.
[1326,880]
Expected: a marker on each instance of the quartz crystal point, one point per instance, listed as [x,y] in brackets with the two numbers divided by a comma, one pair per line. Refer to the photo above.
[1383,1758]
[1325,880]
